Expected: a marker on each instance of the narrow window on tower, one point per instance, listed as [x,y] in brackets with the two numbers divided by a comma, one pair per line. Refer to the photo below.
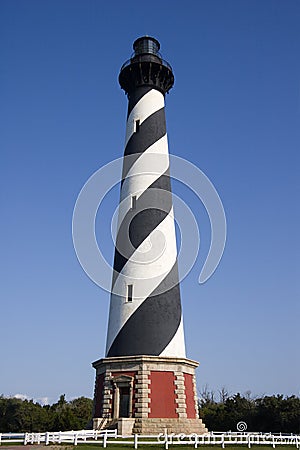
[137,125]
[129,292]
[133,202]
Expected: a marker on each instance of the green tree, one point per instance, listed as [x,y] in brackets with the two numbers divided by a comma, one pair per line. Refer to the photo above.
[266,414]
[62,418]
[18,415]
[276,413]
[82,409]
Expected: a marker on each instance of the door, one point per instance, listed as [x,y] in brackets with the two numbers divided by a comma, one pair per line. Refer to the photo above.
[124,402]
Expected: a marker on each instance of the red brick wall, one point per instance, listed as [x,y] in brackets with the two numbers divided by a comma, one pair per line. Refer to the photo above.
[99,395]
[162,395]
[189,393]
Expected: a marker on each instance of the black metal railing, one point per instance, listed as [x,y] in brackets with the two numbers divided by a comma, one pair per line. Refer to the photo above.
[141,58]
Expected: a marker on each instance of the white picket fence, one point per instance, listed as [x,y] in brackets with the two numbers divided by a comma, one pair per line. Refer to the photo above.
[107,437]
[57,437]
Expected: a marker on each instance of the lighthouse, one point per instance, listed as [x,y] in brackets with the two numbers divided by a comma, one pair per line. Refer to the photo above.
[145,384]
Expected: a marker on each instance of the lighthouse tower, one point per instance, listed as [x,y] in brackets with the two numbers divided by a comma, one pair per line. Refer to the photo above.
[145,383]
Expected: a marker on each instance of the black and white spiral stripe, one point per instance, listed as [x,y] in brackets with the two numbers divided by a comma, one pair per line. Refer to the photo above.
[149,323]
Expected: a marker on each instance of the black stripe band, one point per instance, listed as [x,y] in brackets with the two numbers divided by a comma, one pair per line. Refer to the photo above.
[137,226]
[151,130]
[153,325]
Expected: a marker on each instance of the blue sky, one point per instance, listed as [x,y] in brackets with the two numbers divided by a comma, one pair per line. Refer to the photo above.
[234,112]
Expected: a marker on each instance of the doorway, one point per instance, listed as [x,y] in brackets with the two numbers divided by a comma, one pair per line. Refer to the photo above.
[122,397]
[124,402]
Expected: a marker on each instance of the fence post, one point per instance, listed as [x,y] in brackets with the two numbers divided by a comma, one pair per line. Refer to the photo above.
[135,441]
[223,441]
[75,438]
[104,440]
[249,440]
[25,438]
[47,438]
[166,440]
[196,441]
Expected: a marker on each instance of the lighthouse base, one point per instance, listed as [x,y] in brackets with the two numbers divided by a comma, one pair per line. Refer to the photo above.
[159,393]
